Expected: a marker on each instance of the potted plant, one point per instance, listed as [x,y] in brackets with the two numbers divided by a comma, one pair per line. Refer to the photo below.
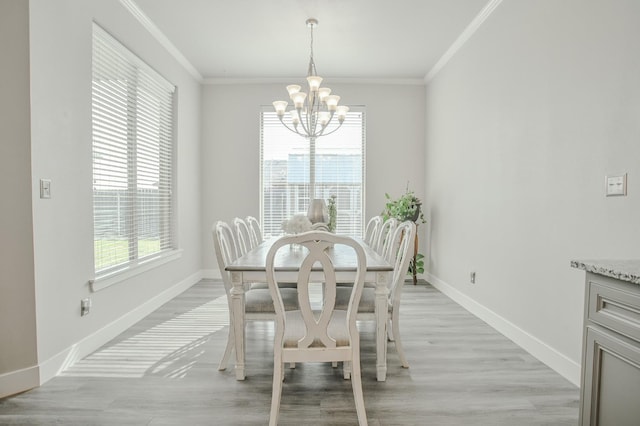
[407,207]
[333,213]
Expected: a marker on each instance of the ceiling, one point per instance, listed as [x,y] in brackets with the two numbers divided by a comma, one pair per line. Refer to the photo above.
[268,39]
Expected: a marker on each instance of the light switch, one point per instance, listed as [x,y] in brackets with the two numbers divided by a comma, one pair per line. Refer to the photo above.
[616,185]
[45,188]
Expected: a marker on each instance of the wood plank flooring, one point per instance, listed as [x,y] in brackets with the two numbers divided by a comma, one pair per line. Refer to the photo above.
[163,371]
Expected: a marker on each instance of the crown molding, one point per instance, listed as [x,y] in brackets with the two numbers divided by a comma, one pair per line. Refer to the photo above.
[144,20]
[137,13]
[344,80]
[462,38]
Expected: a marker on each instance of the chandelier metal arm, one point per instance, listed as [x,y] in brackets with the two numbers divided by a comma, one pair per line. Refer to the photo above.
[289,128]
[333,131]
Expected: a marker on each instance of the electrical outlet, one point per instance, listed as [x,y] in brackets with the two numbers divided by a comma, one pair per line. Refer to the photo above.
[45,188]
[472,277]
[616,185]
[85,307]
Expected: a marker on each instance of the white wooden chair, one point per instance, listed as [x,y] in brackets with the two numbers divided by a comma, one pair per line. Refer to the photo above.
[255,228]
[258,304]
[386,229]
[328,335]
[403,240]
[371,231]
[243,236]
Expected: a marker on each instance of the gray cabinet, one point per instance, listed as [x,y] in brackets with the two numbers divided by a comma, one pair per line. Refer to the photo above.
[610,391]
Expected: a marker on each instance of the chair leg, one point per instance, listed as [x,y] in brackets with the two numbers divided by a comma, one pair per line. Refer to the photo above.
[390,331]
[228,350]
[395,323]
[356,384]
[276,393]
[346,370]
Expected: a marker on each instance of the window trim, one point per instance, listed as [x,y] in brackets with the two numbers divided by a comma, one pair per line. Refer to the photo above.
[137,265]
[148,263]
[352,108]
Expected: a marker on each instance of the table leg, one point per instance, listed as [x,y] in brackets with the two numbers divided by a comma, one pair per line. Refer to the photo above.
[237,307]
[382,312]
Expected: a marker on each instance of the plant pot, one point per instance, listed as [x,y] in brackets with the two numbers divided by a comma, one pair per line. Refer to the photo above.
[416,215]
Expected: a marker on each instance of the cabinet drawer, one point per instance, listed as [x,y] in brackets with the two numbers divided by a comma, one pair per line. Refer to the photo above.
[615,308]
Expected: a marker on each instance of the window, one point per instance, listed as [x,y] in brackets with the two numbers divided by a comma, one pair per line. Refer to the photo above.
[132,124]
[285,173]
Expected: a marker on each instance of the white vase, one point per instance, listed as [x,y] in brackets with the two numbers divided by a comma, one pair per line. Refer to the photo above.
[318,212]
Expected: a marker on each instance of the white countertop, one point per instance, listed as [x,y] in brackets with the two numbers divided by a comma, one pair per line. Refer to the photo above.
[624,270]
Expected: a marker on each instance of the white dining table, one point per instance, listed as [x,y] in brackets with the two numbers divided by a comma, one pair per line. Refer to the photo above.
[251,268]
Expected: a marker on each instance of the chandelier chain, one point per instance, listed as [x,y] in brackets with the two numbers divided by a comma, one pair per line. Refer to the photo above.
[312,64]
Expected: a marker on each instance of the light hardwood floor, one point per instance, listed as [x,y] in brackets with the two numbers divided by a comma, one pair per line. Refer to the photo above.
[163,371]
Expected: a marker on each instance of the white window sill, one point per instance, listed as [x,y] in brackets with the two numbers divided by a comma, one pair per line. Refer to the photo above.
[103,282]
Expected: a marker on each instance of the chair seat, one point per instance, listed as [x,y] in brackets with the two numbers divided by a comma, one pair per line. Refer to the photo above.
[367,300]
[259,300]
[296,329]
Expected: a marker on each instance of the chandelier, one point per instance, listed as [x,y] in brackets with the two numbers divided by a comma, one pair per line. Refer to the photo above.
[313,112]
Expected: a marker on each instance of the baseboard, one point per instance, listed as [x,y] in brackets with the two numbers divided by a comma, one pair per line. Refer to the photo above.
[19,381]
[564,366]
[66,358]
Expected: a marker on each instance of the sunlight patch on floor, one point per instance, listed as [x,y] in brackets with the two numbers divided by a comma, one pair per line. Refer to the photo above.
[168,349]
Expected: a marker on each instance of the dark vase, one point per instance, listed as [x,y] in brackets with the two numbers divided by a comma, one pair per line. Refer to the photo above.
[415,215]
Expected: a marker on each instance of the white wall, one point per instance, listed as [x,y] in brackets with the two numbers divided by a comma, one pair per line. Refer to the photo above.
[522,127]
[61,151]
[231,141]
[17,295]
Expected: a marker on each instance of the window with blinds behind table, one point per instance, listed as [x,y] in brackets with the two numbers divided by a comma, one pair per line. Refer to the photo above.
[132,125]
[339,171]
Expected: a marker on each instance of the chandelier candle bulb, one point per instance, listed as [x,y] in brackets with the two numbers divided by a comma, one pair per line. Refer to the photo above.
[314,82]
[293,89]
[298,99]
[332,102]
[281,107]
[323,92]
[341,112]
[323,117]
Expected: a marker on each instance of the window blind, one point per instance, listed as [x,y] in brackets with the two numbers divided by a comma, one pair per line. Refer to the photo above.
[132,126]
[285,167]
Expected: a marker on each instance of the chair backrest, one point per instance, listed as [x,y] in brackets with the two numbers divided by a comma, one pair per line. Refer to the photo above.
[226,252]
[255,228]
[392,244]
[317,336]
[400,256]
[371,232]
[386,230]
[243,236]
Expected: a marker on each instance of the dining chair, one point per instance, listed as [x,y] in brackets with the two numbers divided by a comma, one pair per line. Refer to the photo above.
[403,240]
[243,236]
[327,334]
[258,303]
[386,230]
[255,228]
[371,231]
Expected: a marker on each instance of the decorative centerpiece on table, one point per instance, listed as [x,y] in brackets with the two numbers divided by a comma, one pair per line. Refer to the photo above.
[318,215]
[407,207]
[297,224]
[333,213]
